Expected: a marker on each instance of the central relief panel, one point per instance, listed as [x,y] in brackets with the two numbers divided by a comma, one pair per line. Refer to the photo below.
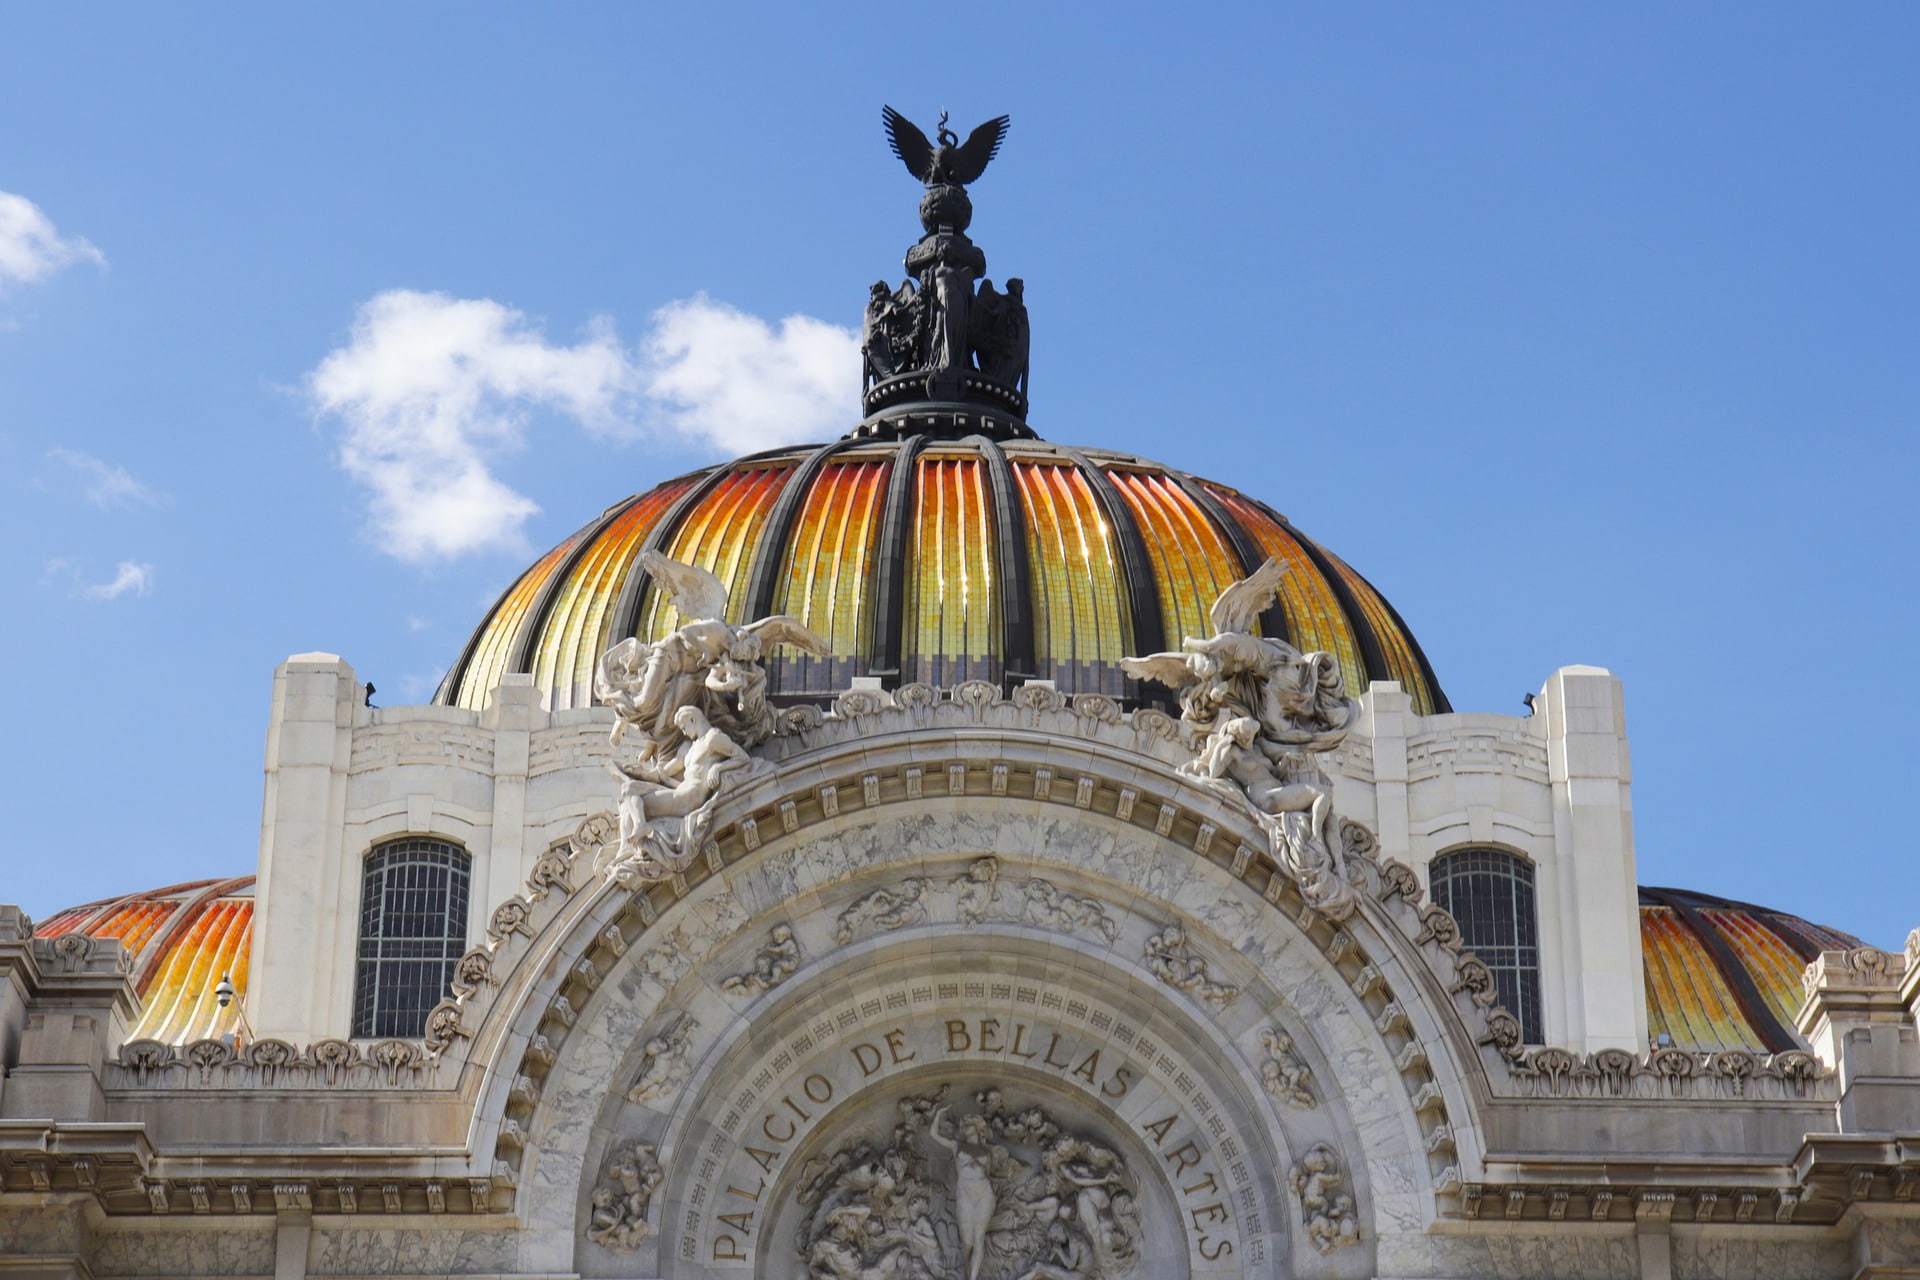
[987,1175]
[988,1114]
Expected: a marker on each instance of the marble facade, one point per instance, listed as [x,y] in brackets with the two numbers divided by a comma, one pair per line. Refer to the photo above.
[1158,1057]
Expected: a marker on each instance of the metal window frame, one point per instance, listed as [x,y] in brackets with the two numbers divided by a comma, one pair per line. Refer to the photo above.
[1491,894]
[414,892]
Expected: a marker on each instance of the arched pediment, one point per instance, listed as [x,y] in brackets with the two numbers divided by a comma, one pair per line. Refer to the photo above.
[1363,1010]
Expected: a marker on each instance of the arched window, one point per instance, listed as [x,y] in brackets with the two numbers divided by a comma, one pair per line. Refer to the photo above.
[1490,893]
[413,930]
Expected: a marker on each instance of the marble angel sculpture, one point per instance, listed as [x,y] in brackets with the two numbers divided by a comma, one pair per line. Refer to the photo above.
[1258,711]
[706,663]
[696,701]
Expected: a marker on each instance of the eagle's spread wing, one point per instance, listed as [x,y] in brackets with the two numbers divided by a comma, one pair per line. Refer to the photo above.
[970,161]
[1169,669]
[697,594]
[783,628]
[1243,602]
[909,143]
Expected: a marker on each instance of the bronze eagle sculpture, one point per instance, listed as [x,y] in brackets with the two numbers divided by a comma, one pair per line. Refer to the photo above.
[951,162]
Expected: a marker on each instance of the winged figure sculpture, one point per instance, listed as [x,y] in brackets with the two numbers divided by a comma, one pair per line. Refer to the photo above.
[946,160]
[1298,699]
[706,663]
[1259,709]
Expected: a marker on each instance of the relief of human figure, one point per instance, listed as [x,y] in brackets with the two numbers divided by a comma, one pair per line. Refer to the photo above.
[618,1219]
[1068,1256]
[1234,754]
[841,1251]
[973,1191]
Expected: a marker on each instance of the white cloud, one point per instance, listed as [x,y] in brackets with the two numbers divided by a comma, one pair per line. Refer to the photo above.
[131,578]
[31,249]
[724,377]
[108,486]
[434,390]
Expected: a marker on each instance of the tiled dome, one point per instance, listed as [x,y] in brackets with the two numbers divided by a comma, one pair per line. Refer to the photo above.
[182,939]
[1724,974]
[939,561]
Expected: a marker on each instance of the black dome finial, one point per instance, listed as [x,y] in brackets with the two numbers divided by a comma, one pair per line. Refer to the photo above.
[946,338]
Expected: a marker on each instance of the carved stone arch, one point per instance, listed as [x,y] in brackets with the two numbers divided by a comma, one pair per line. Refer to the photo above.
[897,1015]
[1369,965]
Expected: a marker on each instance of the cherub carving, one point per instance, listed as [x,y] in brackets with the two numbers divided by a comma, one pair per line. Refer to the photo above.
[664,1065]
[885,909]
[1173,962]
[977,890]
[1257,710]
[1049,905]
[773,964]
[1325,1211]
[1284,1076]
[619,1214]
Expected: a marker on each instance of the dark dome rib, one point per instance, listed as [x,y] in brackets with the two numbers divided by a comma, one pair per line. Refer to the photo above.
[1078,557]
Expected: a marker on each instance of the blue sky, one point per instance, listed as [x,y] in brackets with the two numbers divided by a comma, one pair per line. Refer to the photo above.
[1588,335]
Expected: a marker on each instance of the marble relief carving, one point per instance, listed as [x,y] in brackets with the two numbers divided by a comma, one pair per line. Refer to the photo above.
[1173,960]
[979,895]
[1256,712]
[1049,905]
[773,964]
[1284,1076]
[1326,1211]
[884,910]
[665,1062]
[619,1206]
[977,891]
[696,703]
[994,1193]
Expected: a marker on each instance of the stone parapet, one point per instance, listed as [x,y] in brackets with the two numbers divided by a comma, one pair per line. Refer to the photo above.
[65,1005]
[1860,1016]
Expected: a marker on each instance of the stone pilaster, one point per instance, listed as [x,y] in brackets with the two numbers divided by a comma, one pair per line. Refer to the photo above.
[309,746]
[1386,711]
[1588,767]
[513,713]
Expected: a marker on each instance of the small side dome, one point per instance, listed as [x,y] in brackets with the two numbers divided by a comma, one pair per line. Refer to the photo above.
[938,560]
[1724,974]
[182,939]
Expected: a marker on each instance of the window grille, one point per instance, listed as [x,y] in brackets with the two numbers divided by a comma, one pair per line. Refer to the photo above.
[413,931]
[1489,892]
